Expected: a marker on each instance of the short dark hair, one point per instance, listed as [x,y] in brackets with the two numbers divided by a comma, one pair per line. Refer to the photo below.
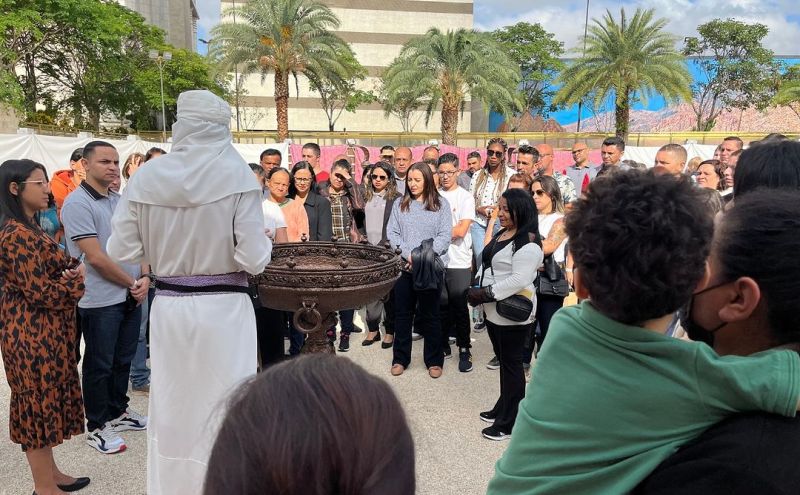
[343,163]
[360,442]
[76,155]
[719,169]
[88,150]
[257,168]
[387,147]
[449,158]
[153,151]
[615,141]
[270,152]
[773,165]
[277,170]
[765,225]
[735,139]
[640,242]
[16,171]
[313,147]
[526,149]
[474,154]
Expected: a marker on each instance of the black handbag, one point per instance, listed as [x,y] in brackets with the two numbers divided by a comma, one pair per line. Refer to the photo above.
[552,281]
[517,307]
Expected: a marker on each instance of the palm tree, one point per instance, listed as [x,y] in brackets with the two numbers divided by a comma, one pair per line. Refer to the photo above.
[282,37]
[789,96]
[446,67]
[627,59]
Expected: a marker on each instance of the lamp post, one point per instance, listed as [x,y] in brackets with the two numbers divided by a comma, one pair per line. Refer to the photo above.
[585,33]
[160,59]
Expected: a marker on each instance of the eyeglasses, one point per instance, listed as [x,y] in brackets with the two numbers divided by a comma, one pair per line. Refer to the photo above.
[41,183]
[302,180]
[378,177]
[491,153]
[539,192]
[387,157]
[447,174]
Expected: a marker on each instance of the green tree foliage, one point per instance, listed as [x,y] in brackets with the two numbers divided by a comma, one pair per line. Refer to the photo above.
[402,104]
[282,37]
[629,59]
[537,52]
[87,59]
[738,72]
[341,93]
[447,67]
[788,94]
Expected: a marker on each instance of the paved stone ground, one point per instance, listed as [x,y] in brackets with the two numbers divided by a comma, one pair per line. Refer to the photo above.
[451,455]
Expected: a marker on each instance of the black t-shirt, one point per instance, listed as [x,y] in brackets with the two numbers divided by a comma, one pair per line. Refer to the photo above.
[747,454]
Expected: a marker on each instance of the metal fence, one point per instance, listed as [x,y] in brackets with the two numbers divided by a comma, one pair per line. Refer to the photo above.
[559,140]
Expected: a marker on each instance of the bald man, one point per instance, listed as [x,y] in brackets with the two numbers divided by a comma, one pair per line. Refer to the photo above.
[545,167]
[582,172]
[431,155]
[402,162]
[670,159]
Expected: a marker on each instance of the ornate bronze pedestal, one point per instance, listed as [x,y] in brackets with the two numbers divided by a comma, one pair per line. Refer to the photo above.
[316,279]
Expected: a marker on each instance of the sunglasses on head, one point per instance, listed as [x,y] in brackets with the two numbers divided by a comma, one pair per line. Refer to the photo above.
[491,153]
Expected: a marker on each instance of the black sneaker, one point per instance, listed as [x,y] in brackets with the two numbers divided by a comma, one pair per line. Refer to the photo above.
[448,353]
[495,434]
[493,364]
[488,416]
[464,360]
[344,342]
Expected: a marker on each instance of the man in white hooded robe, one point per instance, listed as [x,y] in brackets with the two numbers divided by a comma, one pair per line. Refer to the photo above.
[195,216]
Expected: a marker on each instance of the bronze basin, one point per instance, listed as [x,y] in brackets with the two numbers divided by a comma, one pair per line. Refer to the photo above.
[316,279]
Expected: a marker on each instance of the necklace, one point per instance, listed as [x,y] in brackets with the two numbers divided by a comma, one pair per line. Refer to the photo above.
[507,235]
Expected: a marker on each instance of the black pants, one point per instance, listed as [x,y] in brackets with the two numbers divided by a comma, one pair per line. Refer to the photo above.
[508,343]
[453,306]
[546,307]
[378,310]
[271,326]
[427,322]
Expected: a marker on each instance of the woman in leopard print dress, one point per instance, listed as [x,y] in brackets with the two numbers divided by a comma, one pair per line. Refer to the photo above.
[38,294]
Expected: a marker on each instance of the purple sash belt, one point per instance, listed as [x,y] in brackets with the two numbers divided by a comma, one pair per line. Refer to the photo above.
[196,285]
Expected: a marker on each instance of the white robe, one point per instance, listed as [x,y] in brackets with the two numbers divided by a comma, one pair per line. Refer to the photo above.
[201,346]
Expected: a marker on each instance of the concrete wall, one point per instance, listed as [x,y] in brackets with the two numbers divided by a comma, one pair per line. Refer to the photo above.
[176,17]
[376,31]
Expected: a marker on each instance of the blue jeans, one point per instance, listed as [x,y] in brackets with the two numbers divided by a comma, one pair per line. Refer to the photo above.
[478,232]
[140,373]
[111,334]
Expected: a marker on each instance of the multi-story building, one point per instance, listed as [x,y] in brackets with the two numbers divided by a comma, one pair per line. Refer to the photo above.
[376,30]
[177,17]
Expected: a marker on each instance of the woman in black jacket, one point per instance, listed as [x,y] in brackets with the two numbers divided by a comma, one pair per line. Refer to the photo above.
[318,208]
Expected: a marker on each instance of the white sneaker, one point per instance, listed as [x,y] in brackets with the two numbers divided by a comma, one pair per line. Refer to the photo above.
[415,336]
[129,421]
[106,441]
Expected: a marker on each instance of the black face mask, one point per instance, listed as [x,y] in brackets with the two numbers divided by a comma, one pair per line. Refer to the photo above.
[693,329]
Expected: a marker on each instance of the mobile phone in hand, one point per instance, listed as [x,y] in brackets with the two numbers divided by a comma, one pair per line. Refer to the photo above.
[76,262]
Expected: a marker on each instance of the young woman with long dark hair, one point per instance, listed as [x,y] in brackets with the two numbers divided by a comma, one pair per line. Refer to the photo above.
[422,214]
[41,286]
[380,195]
[508,267]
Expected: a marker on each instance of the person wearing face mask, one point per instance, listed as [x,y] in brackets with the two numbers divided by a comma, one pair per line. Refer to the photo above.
[613,395]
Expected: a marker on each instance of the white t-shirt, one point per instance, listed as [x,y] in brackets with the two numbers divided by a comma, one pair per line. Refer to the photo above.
[273,217]
[462,207]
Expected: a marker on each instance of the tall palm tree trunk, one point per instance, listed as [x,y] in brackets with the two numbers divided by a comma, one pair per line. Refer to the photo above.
[622,113]
[282,104]
[449,124]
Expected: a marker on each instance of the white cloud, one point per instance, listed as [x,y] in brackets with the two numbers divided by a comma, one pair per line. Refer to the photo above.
[566,20]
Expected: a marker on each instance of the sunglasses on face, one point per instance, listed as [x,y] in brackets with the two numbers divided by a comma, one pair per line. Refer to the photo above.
[378,177]
[491,153]
[540,192]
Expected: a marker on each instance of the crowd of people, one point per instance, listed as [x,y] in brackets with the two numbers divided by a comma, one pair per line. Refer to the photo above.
[491,246]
